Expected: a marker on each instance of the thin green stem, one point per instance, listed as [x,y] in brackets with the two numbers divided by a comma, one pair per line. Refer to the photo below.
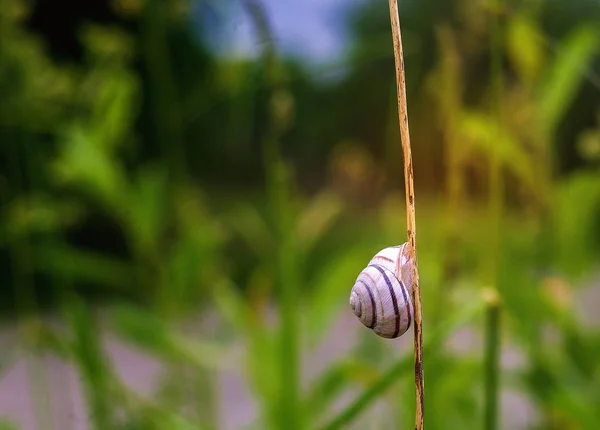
[288,414]
[166,107]
[496,191]
[492,351]
[289,342]
[91,362]
[25,294]
[447,86]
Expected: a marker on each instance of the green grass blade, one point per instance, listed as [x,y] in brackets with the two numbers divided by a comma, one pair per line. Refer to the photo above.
[64,261]
[332,281]
[565,77]
[333,381]
[156,336]
[92,364]
[492,354]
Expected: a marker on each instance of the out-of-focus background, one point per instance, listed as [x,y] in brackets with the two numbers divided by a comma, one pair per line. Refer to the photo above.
[189,189]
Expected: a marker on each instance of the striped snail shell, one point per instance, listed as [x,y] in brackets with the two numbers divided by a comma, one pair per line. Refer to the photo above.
[382,295]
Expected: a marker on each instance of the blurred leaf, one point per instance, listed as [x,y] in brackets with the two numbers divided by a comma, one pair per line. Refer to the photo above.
[190,270]
[580,352]
[560,390]
[41,213]
[106,43]
[558,296]
[80,265]
[392,210]
[261,358]
[331,383]
[6,424]
[489,136]
[559,87]
[317,219]
[195,261]
[457,380]
[576,211]
[146,414]
[36,92]
[233,307]
[146,208]
[332,282]
[445,82]
[153,418]
[85,165]
[89,356]
[431,345]
[524,46]
[251,226]
[53,341]
[114,108]
[149,332]
[526,309]
[588,145]
[8,356]
[262,370]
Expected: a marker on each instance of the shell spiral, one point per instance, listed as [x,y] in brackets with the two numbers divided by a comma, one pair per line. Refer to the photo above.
[382,294]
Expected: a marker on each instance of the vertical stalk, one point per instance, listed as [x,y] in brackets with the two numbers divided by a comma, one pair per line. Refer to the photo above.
[496,190]
[91,361]
[288,414]
[27,309]
[447,89]
[492,352]
[166,111]
[410,209]
[163,91]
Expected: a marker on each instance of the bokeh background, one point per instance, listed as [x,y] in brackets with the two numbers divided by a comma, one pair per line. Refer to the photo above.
[189,189]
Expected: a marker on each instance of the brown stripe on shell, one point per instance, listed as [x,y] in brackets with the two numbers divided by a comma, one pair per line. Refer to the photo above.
[394,299]
[374,309]
[383,257]
[368,275]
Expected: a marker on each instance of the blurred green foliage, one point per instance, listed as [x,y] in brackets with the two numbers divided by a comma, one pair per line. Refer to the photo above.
[147,177]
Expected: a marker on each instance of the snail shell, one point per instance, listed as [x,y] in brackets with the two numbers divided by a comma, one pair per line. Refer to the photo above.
[382,295]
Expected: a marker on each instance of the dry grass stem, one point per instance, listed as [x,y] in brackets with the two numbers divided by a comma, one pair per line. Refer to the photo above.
[410,208]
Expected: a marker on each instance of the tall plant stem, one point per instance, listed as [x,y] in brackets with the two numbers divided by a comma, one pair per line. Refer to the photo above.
[28,312]
[496,191]
[492,349]
[163,90]
[410,209]
[288,414]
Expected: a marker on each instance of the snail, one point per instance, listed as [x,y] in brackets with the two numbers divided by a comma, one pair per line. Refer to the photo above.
[382,294]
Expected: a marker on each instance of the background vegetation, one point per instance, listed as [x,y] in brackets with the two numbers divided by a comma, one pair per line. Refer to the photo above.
[147,181]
